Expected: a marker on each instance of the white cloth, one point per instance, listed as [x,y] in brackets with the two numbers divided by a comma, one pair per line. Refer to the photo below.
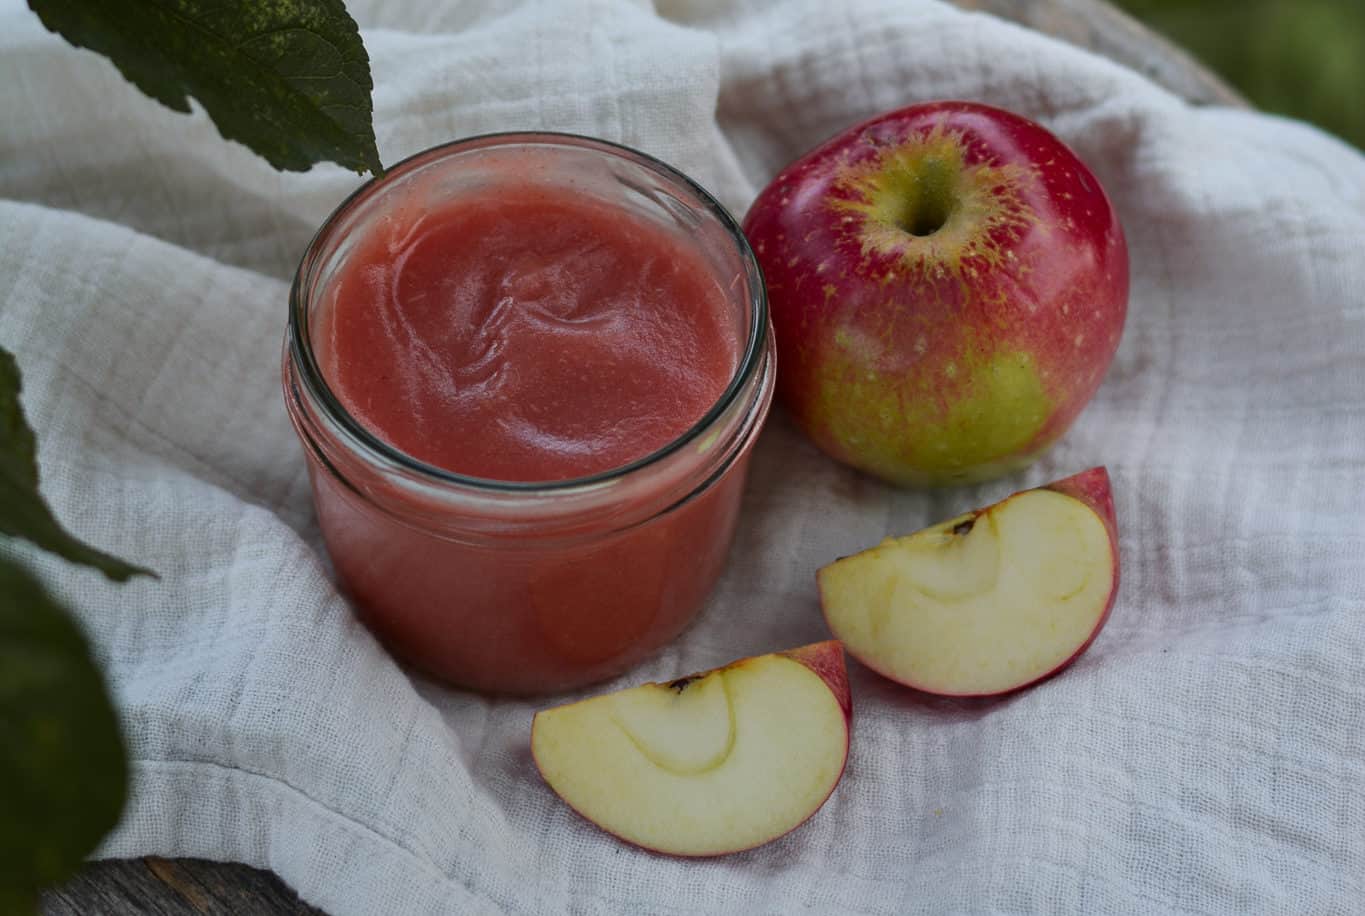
[1206,755]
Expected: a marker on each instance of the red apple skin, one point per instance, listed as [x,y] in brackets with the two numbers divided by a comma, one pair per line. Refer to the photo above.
[826,659]
[960,353]
[1092,488]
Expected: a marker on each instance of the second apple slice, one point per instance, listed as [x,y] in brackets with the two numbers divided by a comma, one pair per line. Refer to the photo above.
[985,603]
[708,764]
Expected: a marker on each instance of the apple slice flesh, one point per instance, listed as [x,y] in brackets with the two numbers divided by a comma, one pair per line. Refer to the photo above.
[985,603]
[708,764]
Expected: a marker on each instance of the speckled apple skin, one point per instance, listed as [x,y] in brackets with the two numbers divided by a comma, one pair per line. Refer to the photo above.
[949,357]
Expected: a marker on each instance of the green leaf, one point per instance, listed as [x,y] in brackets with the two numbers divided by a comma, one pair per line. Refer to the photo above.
[23,513]
[63,770]
[288,78]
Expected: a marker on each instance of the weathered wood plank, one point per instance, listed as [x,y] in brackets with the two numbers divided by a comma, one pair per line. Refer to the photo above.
[173,887]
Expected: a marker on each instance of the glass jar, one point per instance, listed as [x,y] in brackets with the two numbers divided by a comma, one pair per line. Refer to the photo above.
[529,588]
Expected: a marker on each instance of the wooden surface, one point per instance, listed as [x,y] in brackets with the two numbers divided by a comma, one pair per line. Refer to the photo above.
[193,887]
[174,887]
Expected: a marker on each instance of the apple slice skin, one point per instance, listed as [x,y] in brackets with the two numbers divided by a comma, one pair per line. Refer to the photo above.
[1090,487]
[824,659]
[827,660]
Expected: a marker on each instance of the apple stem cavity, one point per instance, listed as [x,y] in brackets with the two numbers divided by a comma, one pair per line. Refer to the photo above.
[929,209]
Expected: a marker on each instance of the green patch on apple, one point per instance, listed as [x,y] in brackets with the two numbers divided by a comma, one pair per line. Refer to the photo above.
[992,427]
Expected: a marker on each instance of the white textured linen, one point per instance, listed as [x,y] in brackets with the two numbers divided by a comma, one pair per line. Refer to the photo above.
[1206,756]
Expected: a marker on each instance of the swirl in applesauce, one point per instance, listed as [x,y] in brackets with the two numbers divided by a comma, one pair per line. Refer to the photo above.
[530,334]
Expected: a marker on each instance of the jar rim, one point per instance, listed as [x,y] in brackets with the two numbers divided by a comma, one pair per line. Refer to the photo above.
[300,350]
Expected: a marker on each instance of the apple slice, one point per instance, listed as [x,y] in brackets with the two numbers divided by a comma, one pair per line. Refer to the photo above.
[710,763]
[987,602]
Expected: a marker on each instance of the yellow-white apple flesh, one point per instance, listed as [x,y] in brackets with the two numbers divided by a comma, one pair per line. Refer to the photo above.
[985,603]
[711,763]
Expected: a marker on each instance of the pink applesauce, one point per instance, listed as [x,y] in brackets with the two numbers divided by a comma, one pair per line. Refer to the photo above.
[528,370]
[528,335]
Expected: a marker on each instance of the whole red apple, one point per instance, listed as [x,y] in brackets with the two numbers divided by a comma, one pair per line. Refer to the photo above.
[948,285]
